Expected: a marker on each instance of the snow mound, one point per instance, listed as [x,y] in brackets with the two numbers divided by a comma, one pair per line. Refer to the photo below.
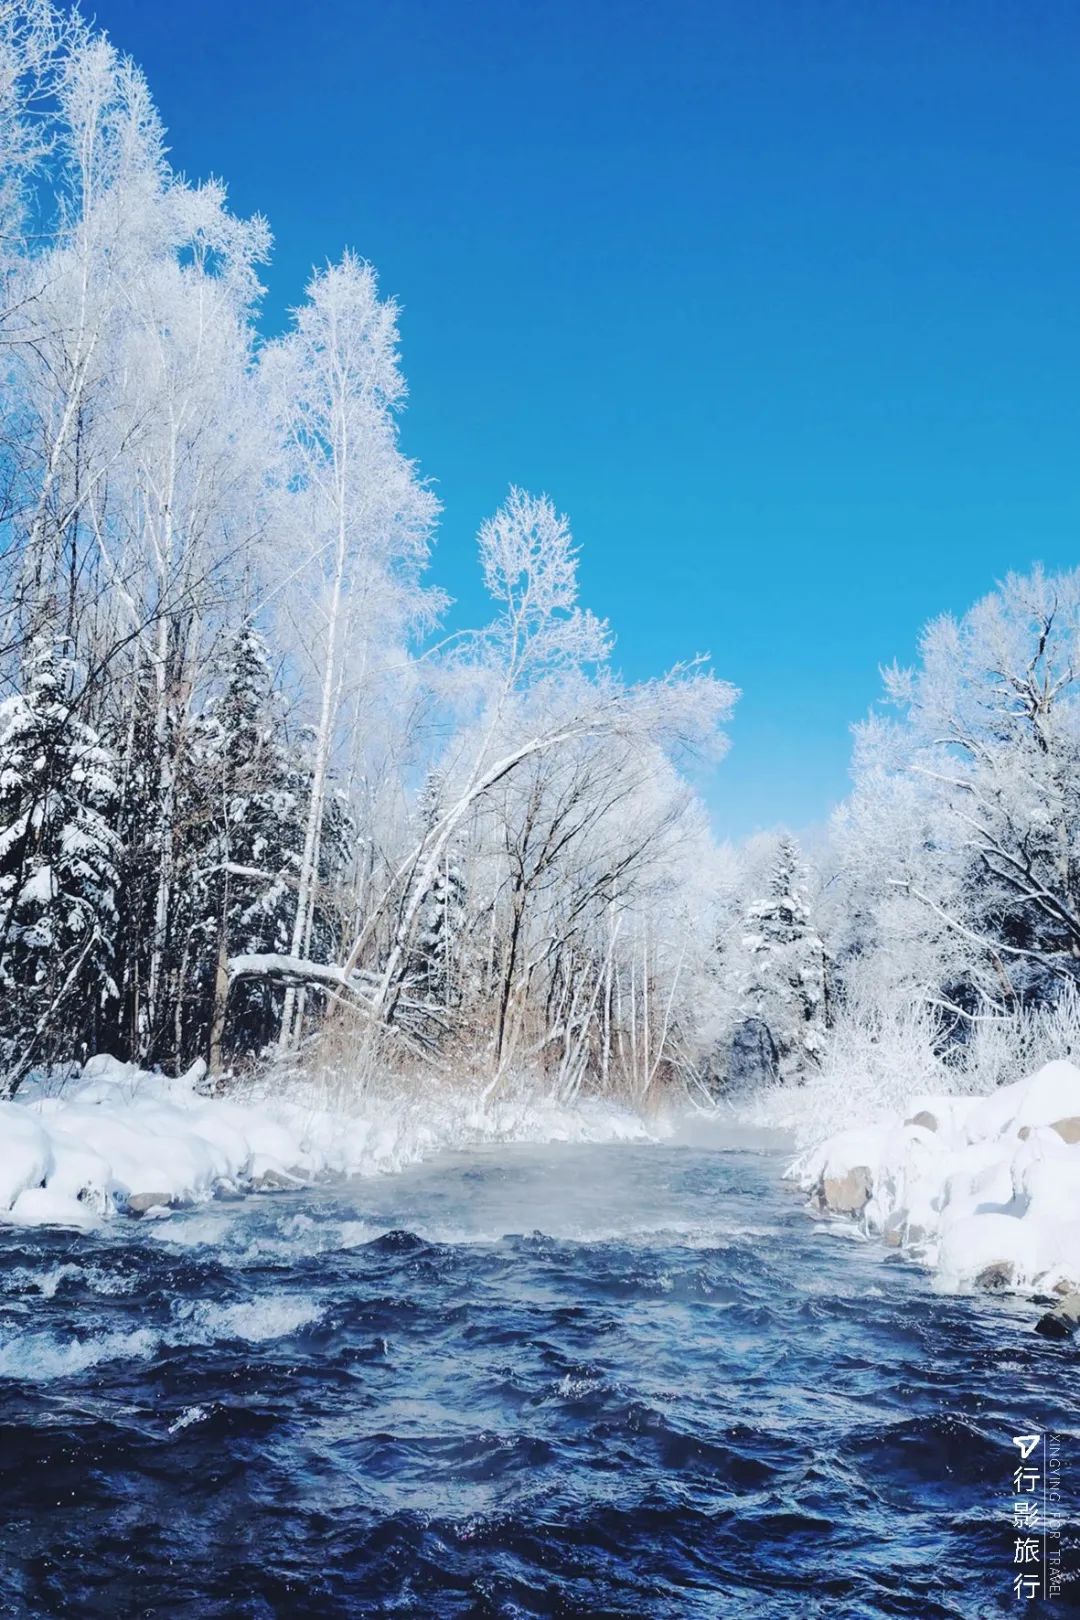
[117,1139]
[26,1157]
[984,1190]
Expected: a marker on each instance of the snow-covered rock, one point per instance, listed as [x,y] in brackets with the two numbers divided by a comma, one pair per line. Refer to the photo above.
[26,1153]
[1052,1093]
[985,1190]
[849,1193]
[1063,1320]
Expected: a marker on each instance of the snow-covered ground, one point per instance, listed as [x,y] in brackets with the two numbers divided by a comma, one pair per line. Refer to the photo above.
[116,1139]
[984,1190]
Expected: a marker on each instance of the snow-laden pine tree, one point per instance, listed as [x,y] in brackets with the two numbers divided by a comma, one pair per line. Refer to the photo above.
[784,969]
[435,962]
[241,853]
[57,868]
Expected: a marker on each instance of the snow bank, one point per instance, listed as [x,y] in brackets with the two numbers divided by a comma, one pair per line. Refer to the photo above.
[985,1190]
[119,1140]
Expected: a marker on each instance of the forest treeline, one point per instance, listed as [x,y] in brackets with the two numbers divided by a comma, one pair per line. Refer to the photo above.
[249,784]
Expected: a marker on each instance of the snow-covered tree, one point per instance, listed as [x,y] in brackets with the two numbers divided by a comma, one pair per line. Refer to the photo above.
[783,984]
[243,795]
[57,867]
[435,964]
[168,482]
[959,844]
[364,515]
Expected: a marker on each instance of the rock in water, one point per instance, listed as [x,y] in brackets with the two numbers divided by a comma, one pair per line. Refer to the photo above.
[1062,1321]
[848,1194]
[139,1203]
[999,1275]
[275,1181]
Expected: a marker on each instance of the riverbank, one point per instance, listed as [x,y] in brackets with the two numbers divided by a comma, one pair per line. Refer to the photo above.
[117,1140]
[983,1191]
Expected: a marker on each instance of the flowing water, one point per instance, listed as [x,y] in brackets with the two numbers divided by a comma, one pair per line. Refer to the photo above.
[628,1380]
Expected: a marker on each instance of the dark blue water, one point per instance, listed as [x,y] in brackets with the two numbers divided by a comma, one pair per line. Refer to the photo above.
[570,1381]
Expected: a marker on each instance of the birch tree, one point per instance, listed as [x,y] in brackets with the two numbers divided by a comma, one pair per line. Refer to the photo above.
[359,513]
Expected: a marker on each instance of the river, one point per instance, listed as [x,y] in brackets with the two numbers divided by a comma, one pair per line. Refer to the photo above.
[627,1380]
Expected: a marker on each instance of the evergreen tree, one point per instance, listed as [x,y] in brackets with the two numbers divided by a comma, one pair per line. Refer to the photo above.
[242,792]
[435,956]
[58,853]
[784,978]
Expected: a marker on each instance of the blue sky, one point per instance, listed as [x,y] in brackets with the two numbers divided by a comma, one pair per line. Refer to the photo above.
[779,301]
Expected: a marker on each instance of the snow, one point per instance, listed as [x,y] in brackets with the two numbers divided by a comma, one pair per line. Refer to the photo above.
[115,1137]
[849,1148]
[271,963]
[40,888]
[26,1156]
[1051,1094]
[990,1193]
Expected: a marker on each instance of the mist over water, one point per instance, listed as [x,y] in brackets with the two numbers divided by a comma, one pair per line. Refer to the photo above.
[626,1380]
